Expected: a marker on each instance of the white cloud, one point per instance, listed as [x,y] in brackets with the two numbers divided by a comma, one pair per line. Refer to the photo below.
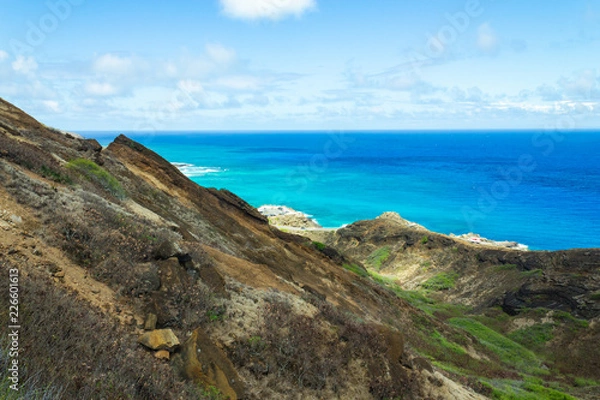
[3,55]
[24,65]
[112,64]
[190,86]
[52,105]
[100,89]
[220,54]
[267,9]
[583,84]
[239,82]
[487,40]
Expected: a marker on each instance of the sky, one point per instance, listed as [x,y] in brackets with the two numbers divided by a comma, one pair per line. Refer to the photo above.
[207,65]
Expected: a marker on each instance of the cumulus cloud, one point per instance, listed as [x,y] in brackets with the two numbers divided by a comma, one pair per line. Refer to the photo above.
[100,89]
[24,65]
[112,64]
[266,9]
[583,84]
[3,55]
[487,40]
[52,106]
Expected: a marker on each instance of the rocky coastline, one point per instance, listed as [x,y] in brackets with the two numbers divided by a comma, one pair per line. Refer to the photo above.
[287,218]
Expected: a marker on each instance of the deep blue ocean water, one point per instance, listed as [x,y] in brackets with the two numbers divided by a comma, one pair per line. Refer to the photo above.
[541,189]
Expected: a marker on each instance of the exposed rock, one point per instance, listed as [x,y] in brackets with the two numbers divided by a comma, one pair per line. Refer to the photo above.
[150,323]
[167,249]
[283,216]
[162,355]
[203,362]
[159,339]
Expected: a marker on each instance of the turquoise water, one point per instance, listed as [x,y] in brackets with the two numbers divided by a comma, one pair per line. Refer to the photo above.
[540,189]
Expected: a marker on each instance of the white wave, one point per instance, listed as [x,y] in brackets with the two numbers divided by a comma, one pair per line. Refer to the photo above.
[191,170]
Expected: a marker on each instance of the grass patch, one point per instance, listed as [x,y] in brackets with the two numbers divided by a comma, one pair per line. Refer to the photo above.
[449,346]
[509,352]
[356,269]
[441,281]
[533,337]
[534,272]
[420,300]
[504,389]
[567,318]
[595,296]
[98,175]
[378,257]
[319,246]
[424,239]
[585,382]
[505,267]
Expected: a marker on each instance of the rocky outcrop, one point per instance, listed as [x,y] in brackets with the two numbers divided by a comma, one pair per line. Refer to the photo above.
[566,280]
[203,362]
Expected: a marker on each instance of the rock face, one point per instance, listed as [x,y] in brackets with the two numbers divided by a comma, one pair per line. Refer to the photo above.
[159,339]
[203,362]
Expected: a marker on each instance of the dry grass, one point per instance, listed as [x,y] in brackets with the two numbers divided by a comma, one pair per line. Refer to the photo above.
[71,351]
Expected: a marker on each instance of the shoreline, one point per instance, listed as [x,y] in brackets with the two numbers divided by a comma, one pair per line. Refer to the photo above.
[288,219]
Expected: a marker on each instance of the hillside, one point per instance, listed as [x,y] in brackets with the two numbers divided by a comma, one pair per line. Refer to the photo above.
[115,246]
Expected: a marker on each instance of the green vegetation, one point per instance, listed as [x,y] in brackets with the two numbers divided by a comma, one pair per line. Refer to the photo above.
[533,337]
[509,352]
[212,393]
[378,257]
[319,246]
[534,272]
[49,173]
[449,346]
[567,318]
[441,281]
[505,267]
[504,389]
[424,239]
[98,175]
[584,382]
[356,269]
[595,296]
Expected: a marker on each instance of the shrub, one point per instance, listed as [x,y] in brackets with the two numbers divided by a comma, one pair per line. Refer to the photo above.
[307,353]
[424,239]
[319,246]
[50,173]
[97,175]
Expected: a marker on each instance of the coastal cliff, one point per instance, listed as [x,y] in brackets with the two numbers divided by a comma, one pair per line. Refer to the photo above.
[136,282]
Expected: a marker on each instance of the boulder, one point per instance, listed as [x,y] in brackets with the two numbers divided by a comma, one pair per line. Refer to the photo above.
[159,339]
[167,249]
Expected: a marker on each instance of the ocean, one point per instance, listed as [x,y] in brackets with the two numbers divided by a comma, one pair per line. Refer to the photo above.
[538,188]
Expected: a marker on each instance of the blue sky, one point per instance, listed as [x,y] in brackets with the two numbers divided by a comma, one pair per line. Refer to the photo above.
[303,64]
